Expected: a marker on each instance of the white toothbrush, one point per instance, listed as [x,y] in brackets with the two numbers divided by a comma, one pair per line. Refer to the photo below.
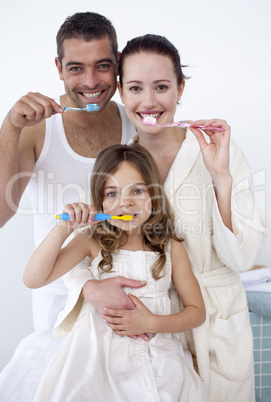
[151,121]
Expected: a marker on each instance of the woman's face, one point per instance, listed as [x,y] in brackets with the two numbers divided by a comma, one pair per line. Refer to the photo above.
[149,89]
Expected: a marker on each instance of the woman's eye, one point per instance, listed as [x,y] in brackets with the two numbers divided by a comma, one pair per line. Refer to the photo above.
[134,89]
[162,87]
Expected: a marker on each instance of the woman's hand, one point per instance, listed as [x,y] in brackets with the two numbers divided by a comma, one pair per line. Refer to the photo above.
[216,152]
[130,322]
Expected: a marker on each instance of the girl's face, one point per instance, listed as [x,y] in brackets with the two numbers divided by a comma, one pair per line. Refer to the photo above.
[126,193]
[149,89]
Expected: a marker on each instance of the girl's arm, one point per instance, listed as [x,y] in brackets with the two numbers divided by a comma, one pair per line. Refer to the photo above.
[141,320]
[50,261]
[216,156]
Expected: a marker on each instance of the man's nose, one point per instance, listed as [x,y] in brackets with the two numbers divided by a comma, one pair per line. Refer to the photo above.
[91,79]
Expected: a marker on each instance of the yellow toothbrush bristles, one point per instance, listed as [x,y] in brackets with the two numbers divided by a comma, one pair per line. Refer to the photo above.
[123,217]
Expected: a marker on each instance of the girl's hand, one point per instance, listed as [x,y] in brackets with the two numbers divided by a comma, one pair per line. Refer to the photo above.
[129,322]
[216,152]
[80,214]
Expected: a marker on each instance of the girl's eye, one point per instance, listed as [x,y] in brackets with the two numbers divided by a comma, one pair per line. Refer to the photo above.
[138,191]
[112,194]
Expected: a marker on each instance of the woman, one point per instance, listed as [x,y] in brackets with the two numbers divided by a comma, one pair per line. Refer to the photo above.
[207,180]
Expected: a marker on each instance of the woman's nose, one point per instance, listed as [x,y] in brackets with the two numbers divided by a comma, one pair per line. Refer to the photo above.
[149,100]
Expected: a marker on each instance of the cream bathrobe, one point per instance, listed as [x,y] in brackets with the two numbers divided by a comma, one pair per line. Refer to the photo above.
[223,345]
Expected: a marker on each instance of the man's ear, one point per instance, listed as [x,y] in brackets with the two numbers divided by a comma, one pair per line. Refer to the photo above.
[59,68]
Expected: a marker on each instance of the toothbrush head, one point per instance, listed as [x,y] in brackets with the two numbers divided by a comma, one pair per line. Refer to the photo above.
[123,217]
[92,107]
[150,121]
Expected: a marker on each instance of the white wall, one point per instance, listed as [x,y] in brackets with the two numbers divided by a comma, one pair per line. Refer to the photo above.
[225,43]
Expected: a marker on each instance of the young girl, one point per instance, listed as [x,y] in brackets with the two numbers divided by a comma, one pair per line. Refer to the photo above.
[95,363]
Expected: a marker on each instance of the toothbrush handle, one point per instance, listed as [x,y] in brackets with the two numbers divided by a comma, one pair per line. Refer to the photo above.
[98,217]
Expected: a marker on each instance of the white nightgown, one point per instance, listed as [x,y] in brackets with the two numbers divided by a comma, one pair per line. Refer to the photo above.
[95,364]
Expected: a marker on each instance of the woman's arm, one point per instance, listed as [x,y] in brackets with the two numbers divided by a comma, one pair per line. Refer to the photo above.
[141,320]
[216,156]
[50,261]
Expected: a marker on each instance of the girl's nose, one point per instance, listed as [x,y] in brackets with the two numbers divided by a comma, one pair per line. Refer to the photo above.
[126,201]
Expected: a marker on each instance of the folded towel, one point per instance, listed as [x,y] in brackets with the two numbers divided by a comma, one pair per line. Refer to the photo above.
[259,303]
[257,280]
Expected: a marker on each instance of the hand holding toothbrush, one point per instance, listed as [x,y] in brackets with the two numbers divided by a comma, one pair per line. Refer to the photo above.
[216,156]
[83,214]
[77,214]
[31,109]
[216,151]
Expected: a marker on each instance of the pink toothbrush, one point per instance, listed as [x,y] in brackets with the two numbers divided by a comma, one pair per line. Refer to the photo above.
[151,121]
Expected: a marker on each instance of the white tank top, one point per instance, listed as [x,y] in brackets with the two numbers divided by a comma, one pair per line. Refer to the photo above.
[60,175]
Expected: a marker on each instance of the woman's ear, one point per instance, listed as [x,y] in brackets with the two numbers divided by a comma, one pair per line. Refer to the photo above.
[120,91]
[180,91]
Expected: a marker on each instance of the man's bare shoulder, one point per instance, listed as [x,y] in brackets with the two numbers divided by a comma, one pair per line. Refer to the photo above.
[32,139]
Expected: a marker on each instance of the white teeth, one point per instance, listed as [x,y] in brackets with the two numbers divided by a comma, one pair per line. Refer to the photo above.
[155,115]
[92,95]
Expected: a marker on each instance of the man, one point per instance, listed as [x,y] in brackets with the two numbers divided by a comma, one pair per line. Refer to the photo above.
[53,152]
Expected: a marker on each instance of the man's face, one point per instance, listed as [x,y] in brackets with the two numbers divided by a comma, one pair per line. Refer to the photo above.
[89,71]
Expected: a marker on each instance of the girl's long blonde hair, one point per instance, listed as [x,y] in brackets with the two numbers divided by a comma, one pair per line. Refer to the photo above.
[157,230]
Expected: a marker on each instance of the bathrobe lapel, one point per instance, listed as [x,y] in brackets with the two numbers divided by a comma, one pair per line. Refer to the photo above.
[182,164]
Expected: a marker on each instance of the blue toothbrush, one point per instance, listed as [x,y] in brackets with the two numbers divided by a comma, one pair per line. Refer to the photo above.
[98,217]
[89,108]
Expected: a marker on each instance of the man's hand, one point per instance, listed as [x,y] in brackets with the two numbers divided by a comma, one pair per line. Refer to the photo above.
[109,293]
[31,109]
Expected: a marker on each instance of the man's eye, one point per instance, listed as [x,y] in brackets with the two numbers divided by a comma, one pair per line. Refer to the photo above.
[104,67]
[75,69]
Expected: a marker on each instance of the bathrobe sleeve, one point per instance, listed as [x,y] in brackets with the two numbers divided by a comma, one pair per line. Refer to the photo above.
[74,281]
[239,249]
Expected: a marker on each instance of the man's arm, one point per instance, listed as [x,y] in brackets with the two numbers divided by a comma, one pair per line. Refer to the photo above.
[18,139]
[109,293]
